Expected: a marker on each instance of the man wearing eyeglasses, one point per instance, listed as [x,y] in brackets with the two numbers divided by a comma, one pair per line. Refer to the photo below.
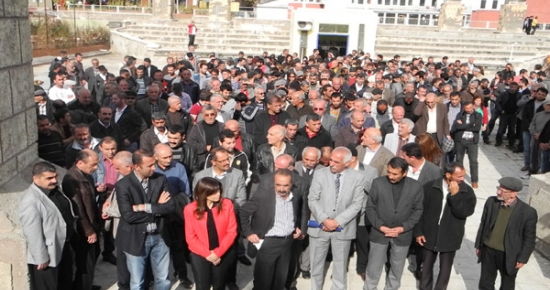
[506,235]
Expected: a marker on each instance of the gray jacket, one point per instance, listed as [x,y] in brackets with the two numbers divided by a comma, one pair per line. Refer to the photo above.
[43,226]
[234,187]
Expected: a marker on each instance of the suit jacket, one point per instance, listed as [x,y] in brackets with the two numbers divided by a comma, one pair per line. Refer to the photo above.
[262,123]
[197,139]
[380,159]
[148,139]
[391,141]
[445,234]
[90,77]
[49,111]
[43,226]
[323,205]
[196,230]
[234,187]
[453,80]
[370,174]
[520,235]
[327,122]
[143,107]
[257,215]
[299,167]
[382,211]
[421,111]
[131,123]
[429,172]
[153,69]
[132,228]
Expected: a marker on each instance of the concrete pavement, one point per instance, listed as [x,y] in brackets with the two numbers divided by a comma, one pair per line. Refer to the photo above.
[494,163]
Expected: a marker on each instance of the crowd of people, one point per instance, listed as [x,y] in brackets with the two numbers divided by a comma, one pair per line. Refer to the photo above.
[289,161]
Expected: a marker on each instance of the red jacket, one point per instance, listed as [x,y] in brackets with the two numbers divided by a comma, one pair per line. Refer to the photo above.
[196,232]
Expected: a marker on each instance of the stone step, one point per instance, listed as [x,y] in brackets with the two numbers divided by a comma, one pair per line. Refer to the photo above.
[437,50]
[205,53]
[219,30]
[208,36]
[428,39]
[215,42]
[452,56]
[413,43]
[256,50]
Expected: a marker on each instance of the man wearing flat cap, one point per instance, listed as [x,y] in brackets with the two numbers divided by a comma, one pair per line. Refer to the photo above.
[506,235]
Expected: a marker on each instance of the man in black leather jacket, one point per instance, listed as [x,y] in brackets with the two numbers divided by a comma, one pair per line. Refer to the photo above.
[182,152]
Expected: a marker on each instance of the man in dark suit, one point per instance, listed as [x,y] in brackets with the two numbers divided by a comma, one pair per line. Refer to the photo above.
[506,235]
[152,104]
[506,105]
[90,75]
[144,202]
[448,201]
[269,117]
[104,126]
[394,207]
[131,123]
[271,220]
[149,68]
[432,118]
[465,130]
[158,133]
[309,163]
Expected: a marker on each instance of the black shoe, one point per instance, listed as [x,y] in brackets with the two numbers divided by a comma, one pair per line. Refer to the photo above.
[232,286]
[96,287]
[110,258]
[498,144]
[487,141]
[525,168]
[306,275]
[186,283]
[513,148]
[245,261]
[417,274]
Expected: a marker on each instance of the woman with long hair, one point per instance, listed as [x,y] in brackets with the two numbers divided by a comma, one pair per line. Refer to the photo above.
[479,106]
[210,232]
[430,150]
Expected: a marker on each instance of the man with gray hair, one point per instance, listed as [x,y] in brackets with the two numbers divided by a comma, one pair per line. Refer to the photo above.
[268,152]
[216,101]
[396,140]
[371,152]
[298,106]
[333,216]
[152,104]
[327,121]
[309,163]
[359,105]
[155,134]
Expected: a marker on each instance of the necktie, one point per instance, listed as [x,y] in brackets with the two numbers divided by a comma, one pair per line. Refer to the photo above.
[308,172]
[337,185]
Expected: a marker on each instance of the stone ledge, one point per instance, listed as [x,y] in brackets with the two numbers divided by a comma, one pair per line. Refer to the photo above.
[539,198]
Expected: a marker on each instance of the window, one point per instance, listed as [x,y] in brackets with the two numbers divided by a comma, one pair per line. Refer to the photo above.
[333,28]
[422,3]
[361,39]
[402,2]
[410,2]
[483,4]
[390,18]
[495,4]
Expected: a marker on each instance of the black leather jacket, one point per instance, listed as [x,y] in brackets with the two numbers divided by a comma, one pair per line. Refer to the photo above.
[190,160]
[264,161]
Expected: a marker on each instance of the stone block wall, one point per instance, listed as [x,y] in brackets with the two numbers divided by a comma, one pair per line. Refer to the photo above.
[18,135]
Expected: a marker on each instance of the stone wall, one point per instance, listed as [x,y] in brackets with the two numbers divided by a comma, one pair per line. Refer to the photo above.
[539,198]
[125,44]
[18,135]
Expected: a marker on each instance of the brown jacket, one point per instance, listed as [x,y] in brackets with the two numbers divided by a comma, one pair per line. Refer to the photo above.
[380,159]
[82,191]
[421,111]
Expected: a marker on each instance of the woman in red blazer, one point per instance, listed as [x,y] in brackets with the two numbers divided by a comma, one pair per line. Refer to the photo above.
[210,231]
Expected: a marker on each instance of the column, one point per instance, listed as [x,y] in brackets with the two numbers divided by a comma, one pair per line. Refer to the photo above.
[511,17]
[450,16]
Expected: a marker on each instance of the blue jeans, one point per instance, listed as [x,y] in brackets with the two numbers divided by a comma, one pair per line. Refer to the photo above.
[545,162]
[159,254]
[526,148]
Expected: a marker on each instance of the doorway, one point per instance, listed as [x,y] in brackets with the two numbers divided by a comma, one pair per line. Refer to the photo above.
[337,44]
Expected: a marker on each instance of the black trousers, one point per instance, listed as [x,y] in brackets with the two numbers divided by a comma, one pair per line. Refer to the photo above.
[54,278]
[272,263]
[108,240]
[85,259]
[491,262]
[191,39]
[363,245]
[507,121]
[519,134]
[123,275]
[178,248]
[490,126]
[294,264]
[207,275]
[445,266]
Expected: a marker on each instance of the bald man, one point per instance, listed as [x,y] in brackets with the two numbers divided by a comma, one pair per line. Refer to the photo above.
[178,187]
[432,118]
[268,152]
[309,163]
[349,135]
[391,126]
[177,116]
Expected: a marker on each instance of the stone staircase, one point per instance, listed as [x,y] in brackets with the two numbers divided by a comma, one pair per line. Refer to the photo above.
[490,49]
[252,36]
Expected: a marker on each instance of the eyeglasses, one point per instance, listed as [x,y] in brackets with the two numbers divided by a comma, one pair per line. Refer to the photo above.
[368,112]
[210,115]
[261,93]
[318,109]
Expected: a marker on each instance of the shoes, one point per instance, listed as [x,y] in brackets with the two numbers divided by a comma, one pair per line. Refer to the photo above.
[417,275]
[186,283]
[110,258]
[488,142]
[518,150]
[232,286]
[475,185]
[96,287]
[306,275]
[513,148]
[363,276]
[245,261]
[498,144]
[525,168]
[526,176]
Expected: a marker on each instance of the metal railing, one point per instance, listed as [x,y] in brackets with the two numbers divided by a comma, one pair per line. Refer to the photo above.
[109,8]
